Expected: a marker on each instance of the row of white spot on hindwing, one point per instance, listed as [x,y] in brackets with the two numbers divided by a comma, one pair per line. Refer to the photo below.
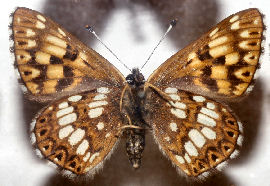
[66,117]
[178,107]
[207,117]
[76,136]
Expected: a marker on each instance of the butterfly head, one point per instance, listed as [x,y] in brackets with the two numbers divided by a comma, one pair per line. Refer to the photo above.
[135,78]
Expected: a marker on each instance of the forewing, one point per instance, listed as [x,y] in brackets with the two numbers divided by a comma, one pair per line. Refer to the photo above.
[196,133]
[78,133]
[51,62]
[221,63]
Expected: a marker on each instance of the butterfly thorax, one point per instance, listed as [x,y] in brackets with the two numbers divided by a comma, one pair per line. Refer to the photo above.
[132,112]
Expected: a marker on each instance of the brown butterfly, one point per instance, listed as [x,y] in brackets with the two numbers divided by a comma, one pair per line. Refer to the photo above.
[92,104]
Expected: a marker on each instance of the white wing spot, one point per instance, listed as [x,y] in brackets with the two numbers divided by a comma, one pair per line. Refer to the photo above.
[186,171]
[174,97]
[187,158]
[179,105]
[24,89]
[64,132]
[40,25]
[203,119]
[240,140]
[209,133]
[222,165]
[33,138]
[103,90]
[64,111]
[63,105]
[191,150]
[235,25]
[167,138]
[213,32]
[256,21]
[76,136]
[97,104]
[33,124]
[70,118]
[224,110]
[197,138]
[234,18]
[100,97]
[100,126]
[170,90]
[240,126]
[234,154]
[38,153]
[232,58]
[107,135]
[56,41]
[210,106]
[41,18]
[173,127]
[75,98]
[221,50]
[96,112]
[198,98]
[93,157]
[245,45]
[87,169]
[18,20]
[178,113]
[54,50]
[30,32]
[86,157]
[61,32]
[250,87]
[82,147]
[210,113]
[245,34]
[251,58]
[42,58]
[205,174]
[31,43]
[218,41]
[180,159]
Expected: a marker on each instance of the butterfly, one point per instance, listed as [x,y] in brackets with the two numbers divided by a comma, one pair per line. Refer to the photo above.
[91,104]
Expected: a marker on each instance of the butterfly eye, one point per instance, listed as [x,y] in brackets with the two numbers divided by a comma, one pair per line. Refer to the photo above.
[130,79]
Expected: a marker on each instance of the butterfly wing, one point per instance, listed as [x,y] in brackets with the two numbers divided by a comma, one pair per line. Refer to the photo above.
[196,133]
[221,63]
[51,62]
[78,133]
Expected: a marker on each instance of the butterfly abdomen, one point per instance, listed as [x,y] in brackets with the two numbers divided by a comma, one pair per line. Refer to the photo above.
[134,129]
[135,142]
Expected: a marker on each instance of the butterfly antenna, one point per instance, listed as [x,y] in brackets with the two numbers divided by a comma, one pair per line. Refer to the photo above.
[172,24]
[91,30]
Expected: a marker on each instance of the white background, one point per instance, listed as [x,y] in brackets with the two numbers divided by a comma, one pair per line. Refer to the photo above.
[131,28]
